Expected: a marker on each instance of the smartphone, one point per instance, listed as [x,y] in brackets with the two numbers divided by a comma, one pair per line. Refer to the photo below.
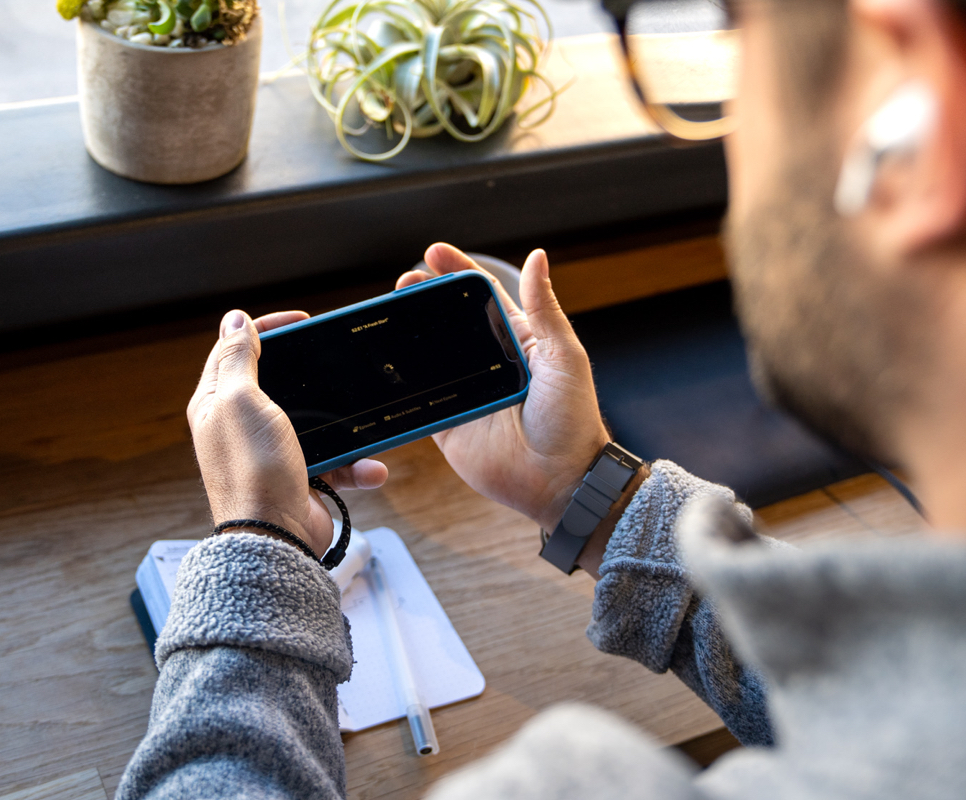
[369,377]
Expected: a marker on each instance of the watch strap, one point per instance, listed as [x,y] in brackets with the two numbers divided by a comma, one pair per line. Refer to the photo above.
[591,502]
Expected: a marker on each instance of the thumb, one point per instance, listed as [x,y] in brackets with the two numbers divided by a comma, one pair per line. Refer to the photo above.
[547,320]
[239,348]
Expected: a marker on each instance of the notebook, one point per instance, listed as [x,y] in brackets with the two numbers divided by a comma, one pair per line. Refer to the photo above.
[443,668]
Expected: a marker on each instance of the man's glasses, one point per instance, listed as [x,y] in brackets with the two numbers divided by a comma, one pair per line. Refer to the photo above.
[683,58]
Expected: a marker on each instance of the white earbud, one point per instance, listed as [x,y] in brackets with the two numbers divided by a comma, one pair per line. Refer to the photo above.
[899,126]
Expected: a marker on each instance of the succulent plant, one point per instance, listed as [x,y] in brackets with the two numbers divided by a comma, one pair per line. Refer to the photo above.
[167,23]
[421,67]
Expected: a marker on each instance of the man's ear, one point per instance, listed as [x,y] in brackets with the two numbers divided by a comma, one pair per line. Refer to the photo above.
[916,197]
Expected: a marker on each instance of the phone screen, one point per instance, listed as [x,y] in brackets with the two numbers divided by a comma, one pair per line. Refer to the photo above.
[359,379]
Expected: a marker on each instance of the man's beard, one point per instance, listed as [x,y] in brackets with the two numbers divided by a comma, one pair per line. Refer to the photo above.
[827,339]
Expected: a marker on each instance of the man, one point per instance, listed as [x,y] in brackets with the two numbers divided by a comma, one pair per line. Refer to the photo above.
[849,257]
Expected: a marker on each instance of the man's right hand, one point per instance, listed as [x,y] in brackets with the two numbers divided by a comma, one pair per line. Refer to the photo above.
[533,456]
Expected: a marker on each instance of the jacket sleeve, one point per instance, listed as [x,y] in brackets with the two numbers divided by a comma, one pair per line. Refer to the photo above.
[646,609]
[574,752]
[249,658]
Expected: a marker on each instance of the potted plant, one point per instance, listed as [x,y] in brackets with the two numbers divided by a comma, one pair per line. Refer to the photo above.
[421,67]
[167,87]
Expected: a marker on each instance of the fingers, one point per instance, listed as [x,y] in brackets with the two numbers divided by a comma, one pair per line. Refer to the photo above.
[363,474]
[411,278]
[270,322]
[547,320]
[239,349]
[443,258]
[207,384]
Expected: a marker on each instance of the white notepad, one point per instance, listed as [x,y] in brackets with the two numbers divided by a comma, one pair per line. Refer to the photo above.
[442,666]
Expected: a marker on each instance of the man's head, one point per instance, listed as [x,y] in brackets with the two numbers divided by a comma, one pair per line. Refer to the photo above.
[850,318]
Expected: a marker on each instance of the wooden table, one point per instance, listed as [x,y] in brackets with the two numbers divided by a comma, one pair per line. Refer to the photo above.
[97,464]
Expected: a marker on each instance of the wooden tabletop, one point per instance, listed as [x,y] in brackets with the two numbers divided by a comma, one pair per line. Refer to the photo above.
[97,465]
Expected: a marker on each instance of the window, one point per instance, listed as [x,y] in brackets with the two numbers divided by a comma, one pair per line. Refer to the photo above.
[37,47]
[596,160]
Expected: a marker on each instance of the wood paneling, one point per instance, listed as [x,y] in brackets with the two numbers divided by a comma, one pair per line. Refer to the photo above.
[596,282]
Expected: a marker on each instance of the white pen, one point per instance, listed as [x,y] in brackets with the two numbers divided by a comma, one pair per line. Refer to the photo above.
[420,723]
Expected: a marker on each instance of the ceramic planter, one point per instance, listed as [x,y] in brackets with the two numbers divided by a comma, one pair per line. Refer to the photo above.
[166,115]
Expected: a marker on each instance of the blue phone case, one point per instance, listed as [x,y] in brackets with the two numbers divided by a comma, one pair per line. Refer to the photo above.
[426,430]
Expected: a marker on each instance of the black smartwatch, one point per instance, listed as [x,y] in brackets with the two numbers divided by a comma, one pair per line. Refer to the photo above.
[601,487]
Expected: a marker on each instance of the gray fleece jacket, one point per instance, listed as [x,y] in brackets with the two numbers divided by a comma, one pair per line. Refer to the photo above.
[863,647]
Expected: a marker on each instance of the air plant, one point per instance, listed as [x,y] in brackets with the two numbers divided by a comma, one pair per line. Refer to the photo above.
[168,23]
[421,67]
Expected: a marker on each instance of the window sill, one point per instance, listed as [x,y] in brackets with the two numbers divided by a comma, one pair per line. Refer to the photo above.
[76,241]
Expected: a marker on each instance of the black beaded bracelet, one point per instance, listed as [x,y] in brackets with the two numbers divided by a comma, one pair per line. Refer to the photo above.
[337,552]
[332,558]
[266,526]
